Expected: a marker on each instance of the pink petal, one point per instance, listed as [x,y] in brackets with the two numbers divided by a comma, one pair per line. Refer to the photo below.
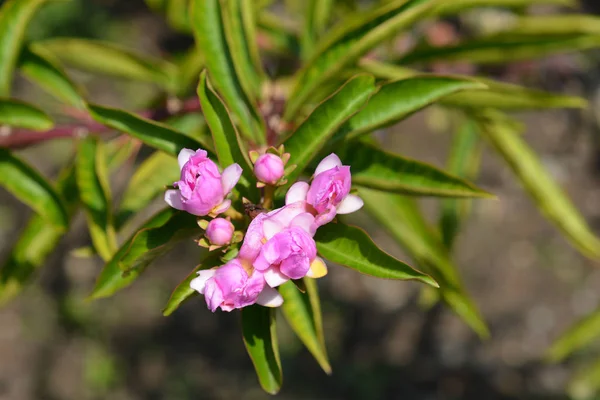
[221,208]
[269,297]
[275,278]
[231,176]
[271,228]
[184,156]
[297,192]
[306,222]
[329,162]
[173,198]
[350,204]
[199,283]
[318,268]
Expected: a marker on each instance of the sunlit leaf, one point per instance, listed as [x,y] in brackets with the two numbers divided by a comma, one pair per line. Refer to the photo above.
[31,188]
[95,195]
[556,25]
[22,115]
[444,8]
[305,320]
[582,334]
[377,169]
[348,41]
[260,338]
[353,248]
[401,217]
[537,181]
[317,129]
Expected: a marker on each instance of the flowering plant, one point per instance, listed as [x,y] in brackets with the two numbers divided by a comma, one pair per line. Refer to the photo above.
[260,169]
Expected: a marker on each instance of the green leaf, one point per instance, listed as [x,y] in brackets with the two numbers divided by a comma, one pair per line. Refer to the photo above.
[226,140]
[210,38]
[183,291]
[236,14]
[348,41]
[498,94]
[31,188]
[353,248]
[22,115]
[377,169]
[260,339]
[580,335]
[556,25]
[154,239]
[585,384]
[36,241]
[317,129]
[305,320]
[401,217]
[14,18]
[249,11]
[445,8]
[279,36]
[94,192]
[316,17]
[190,65]
[464,161]
[397,100]
[109,59]
[152,133]
[148,182]
[502,48]
[50,77]
[178,15]
[547,194]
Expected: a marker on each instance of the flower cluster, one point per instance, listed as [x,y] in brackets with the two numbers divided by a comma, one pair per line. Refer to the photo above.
[278,245]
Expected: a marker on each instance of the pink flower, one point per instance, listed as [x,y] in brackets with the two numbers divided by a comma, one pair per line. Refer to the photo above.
[202,188]
[329,192]
[269,168]
[219,231]
[230,287]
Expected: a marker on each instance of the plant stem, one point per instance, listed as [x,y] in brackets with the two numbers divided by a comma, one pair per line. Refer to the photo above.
[269,193]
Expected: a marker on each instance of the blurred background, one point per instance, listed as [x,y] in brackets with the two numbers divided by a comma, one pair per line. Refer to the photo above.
[528,282]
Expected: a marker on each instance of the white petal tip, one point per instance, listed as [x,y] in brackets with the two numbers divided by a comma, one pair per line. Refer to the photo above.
[350,204]
[199,283]
[184,156]
[269,297]
[297,192]
[329,162]
[275,278]
[230,177]
[173,199]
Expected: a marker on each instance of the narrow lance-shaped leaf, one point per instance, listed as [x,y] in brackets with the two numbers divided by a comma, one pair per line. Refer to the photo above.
[397,100]
[94,192]
[547,194]
[249,10]
[50,77]
[317,129]
[497,95]
[444,8]
[110,59]
[401,217]
[22,115]
[377,169]
[502,48]
[178,15]
[152,133]
[260,338]
[31,188]
[351,39]
[464,160]
[210,39]
[278,36]
[226,140]
[183,291]
[14,18]
[154,239]
[305,320]
[556,25]
[353,248]
[148,182]
[582,334]
[316,17]
[234,27]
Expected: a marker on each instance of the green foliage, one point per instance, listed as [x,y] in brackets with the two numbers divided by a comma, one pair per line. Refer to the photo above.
[321,83]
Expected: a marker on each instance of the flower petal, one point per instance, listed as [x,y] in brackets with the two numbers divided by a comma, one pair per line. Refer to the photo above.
[350,204]
[271,228]
[199,283]
[275,278]
[173,198]
[318,268]
[230,176]
[184,156]
[269,297]
[329,162]
[305,221]
[221,208]
[297,192]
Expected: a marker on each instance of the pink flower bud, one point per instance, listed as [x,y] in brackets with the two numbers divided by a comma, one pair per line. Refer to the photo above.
[202,188]
[219,231]
[269,168]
